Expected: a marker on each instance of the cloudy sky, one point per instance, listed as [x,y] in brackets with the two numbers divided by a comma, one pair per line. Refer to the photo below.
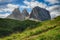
[7,6]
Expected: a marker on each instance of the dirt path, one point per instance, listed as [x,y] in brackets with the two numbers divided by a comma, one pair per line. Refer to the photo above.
[32,36]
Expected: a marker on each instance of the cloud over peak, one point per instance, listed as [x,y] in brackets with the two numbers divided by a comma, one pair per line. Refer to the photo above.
[33,4]
[50,5]
[54,10]
[7,10]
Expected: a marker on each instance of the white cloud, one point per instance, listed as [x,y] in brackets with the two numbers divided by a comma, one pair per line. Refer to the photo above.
[54,7]
[54,14]
[9,8]
[34,4]
[54,10]
[12,6]
[4,15]
[24,6]
[52,1]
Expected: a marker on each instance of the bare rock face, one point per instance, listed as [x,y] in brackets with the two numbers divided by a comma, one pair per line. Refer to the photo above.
[25,13]
[16,14]
[36,14]
[40,14]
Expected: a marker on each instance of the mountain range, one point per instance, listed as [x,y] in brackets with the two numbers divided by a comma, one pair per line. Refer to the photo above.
[36,13]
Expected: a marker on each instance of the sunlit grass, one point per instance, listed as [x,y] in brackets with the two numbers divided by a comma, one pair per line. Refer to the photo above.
[47,30]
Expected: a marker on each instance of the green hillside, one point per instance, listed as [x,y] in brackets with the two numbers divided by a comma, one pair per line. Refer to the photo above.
[30,30]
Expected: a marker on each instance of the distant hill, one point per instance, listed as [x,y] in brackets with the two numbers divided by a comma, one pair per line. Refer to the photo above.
[30,30]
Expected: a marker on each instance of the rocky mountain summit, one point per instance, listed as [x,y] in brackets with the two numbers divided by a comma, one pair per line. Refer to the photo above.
[40,14]
[16,14]
[25,13]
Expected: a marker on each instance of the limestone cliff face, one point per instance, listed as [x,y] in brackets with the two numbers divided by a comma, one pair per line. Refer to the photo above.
[25,13]
[40,14]
[36,14]
[16,14]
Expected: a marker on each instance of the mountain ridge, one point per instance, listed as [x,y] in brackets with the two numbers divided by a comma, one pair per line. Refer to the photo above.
[36,13]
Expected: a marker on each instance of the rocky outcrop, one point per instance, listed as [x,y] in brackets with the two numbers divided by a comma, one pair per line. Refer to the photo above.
[40,14]
[16,14]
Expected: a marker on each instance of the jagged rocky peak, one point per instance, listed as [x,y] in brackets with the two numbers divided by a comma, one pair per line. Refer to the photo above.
[16,14]
[40,14]
[25,13]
